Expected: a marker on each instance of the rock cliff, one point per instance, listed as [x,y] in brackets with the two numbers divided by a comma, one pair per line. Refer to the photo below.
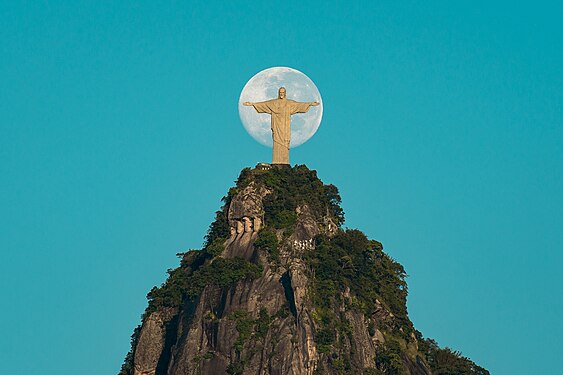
[281,288]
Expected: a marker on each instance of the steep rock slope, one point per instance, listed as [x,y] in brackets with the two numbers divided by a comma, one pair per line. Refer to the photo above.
[281,288]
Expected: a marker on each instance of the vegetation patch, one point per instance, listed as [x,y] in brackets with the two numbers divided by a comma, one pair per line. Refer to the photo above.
[127,367]
[262,324]
[205,357]
[446,361]
[291,187]
[268,241]
[236,368]
[350,261]
[247,328]
[388,357]
[190,279]
[244,325]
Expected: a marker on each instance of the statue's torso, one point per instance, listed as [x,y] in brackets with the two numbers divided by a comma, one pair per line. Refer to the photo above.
[282,107]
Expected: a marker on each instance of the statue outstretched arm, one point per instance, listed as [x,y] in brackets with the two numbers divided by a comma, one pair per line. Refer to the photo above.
[302,107]
[260,107]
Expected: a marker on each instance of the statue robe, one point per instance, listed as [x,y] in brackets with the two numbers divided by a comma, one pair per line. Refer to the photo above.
[281,111]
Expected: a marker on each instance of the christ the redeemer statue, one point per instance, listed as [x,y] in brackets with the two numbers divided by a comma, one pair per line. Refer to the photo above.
[281,110]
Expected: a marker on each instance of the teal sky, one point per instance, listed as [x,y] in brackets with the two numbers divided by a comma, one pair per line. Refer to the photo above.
[119,134]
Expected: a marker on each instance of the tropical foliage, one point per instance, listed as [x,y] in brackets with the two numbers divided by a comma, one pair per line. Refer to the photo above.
[446,361]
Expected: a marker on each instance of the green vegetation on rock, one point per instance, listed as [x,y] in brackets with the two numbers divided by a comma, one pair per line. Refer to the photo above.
[350,261]
[268,242]
[127,367]
[198,269]
[347,274]
[247,328]
[291,187]
[192,276]
[446,361]
[244,325]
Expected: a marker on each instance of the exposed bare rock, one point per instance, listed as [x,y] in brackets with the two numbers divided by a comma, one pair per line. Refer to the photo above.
[151,342]
[149,348]
[247,204]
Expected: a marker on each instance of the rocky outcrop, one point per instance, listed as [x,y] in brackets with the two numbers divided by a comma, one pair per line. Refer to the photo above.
[270,324]
[208,344]
[151,343]
[152,340]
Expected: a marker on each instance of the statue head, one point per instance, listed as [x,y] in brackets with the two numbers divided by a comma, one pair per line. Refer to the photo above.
[281,93]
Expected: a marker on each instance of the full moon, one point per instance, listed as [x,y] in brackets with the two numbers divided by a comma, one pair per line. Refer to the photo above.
[264,86]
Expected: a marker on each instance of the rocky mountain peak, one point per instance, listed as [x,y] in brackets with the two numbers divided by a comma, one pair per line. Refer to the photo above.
[280,287]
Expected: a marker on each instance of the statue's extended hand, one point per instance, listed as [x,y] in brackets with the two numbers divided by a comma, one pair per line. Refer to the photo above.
[314,104]
[246,103]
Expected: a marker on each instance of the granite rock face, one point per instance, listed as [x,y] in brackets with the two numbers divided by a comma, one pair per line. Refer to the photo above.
[206,332]
[268,324]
